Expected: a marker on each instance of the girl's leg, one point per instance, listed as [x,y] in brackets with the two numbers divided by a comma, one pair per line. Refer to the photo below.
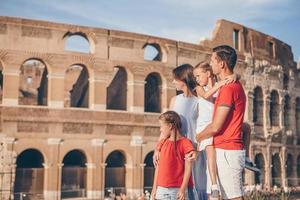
[212,166]
[212,169]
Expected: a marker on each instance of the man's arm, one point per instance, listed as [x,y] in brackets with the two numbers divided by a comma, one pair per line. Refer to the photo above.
[215,126]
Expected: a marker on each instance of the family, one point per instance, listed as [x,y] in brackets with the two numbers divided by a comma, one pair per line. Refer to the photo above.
[203,142]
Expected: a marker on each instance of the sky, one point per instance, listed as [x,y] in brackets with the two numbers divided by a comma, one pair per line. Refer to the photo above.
[182,20]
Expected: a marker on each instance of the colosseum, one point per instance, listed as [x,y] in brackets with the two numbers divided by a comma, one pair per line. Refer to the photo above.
[84,123]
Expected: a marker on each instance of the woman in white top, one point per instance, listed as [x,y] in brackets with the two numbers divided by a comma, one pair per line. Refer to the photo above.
[186,105]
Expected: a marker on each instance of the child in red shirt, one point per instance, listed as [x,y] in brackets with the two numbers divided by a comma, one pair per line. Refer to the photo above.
[173,174]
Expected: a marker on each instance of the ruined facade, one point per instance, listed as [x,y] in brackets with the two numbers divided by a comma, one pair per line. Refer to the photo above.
[80,124]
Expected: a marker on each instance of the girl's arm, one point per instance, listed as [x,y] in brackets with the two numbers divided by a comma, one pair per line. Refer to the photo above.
[207,94]
[185,181]
[154,187]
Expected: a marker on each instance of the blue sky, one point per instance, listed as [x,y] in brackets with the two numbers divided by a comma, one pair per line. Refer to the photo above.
[184,20]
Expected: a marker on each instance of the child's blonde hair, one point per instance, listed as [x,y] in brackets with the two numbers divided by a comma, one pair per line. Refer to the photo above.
[206,67]
[173,119]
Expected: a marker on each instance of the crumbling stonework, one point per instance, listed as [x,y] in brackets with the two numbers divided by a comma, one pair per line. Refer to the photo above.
[70,109]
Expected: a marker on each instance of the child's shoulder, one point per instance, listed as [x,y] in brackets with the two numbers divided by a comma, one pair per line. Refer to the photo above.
[185,141]
[186,145]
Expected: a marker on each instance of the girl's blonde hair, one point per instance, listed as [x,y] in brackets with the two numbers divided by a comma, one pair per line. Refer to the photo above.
[206,67]
[173,119]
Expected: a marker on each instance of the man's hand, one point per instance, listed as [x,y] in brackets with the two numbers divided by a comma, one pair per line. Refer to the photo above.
[198,137]
[155,158]
[191,156]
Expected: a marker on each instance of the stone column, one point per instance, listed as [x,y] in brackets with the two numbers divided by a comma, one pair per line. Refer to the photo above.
[136,188]
[249,107]
[53,170]
[98,93]
[129,181]
[91,168]
[7,168]
[56,89]
[142,166]
[293,122]
[281,113]
[268,167]
[11,85]
[136,94]
[103,167]
[266,113]
[95,188]
[283,167]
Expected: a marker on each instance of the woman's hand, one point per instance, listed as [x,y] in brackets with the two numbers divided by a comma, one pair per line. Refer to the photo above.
[191,156]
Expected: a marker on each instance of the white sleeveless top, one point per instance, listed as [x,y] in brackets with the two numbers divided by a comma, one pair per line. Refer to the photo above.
[187,108]
[205,109]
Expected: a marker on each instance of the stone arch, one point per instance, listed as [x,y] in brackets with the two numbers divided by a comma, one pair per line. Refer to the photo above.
[297,113]
[115,173]
[276,170]
[33,84]
[260,164]
[274,108]
[29,176]
[289,169]
[79,42]
[153,93]
[286,112]
[148,172]
[153,52]
[117,90]
[77,86]
[258,106]
[74,175]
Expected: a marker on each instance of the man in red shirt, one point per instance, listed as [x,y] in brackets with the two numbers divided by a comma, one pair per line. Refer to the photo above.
[226,125]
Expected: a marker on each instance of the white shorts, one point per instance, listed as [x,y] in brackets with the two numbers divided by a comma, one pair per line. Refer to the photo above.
[230,165]
[163,193]
[204,143]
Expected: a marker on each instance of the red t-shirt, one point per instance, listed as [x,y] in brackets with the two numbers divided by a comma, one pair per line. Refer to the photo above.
[230,136]
[171,167]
